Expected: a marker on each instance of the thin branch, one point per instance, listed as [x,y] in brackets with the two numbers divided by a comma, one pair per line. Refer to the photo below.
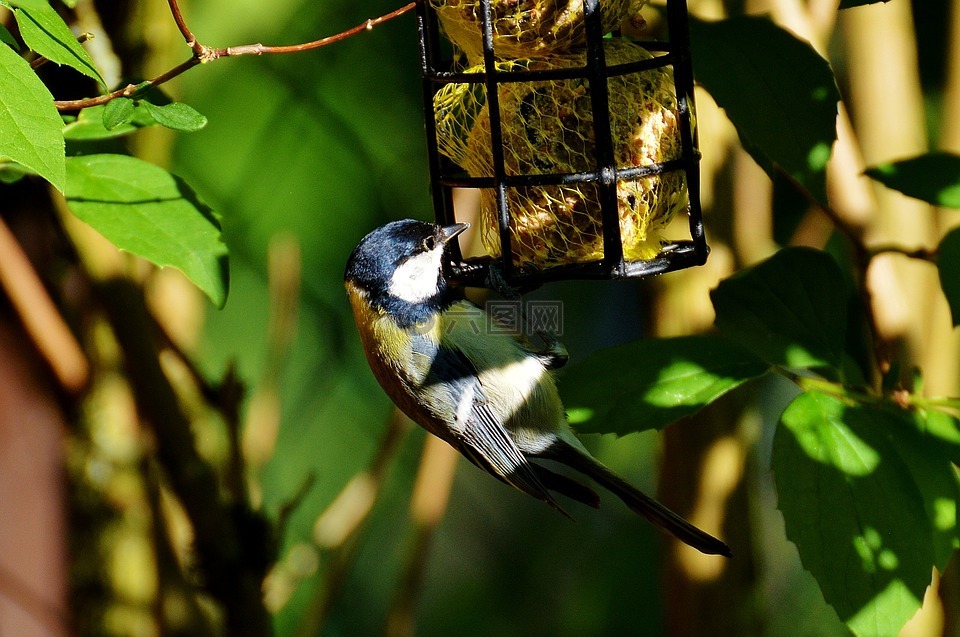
[203,54]
[184,29]
[129,89]
[259,49]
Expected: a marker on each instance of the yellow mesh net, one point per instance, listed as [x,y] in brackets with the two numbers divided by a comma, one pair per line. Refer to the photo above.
[548,127]
[527,28]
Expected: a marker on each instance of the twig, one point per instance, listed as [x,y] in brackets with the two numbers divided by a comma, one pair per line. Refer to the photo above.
[203,54]
[258,49]
[129,89]
[184,29]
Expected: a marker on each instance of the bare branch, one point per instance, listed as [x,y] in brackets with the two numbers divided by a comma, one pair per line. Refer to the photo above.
[259,49]
[182,25]
[129,89]
[203,53]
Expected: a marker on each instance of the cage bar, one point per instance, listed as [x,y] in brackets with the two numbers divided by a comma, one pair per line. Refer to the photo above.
[439,70]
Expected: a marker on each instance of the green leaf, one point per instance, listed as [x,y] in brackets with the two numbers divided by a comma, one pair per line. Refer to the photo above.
[871,503]
[12,172]
[45,32]
[116,112]
[948,265]
[934,178]
[89,124]
[946,429]
[145,210]
[30,127]
[778,92]
[651,383]
[26,4]
[789,310]
[7,38]
[177,116]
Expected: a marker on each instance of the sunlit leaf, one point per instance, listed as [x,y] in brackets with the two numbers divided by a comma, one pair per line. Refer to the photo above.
[45,32]
[26,4]
[145,210]
[30,127]
[789,310]
[945,428]
[651,383]
[871,503]
[934,178]
[778,92]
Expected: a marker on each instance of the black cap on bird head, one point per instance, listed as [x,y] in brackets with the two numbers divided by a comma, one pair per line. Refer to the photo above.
[400,264]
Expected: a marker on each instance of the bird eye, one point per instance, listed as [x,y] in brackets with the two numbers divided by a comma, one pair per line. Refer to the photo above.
[429,244]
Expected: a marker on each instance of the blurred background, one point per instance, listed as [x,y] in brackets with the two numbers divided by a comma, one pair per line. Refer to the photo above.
[380,530]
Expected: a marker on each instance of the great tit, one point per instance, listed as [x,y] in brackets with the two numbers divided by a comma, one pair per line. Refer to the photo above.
[489,394]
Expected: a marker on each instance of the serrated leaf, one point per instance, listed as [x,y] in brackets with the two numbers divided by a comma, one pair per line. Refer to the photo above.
[651,383]
[948,265]
[778,92]
[30,127]
[789,310]
[116,112]
[177,116]
[147,211]
[871,503]
[45,32]
[934,178]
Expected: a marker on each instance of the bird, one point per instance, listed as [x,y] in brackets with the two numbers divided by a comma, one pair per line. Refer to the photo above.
[490,394]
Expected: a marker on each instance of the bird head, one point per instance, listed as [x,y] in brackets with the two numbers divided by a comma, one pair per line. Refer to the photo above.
[399,266]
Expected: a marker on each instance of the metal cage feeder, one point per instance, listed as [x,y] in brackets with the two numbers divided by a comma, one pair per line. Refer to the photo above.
[603,175]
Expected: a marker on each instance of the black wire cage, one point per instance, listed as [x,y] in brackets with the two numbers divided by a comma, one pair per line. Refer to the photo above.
[602,169]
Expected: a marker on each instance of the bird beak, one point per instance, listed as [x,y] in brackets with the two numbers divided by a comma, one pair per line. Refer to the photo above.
[449,232]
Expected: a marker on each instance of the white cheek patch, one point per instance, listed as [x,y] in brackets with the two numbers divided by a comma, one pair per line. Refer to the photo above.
[418,278]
